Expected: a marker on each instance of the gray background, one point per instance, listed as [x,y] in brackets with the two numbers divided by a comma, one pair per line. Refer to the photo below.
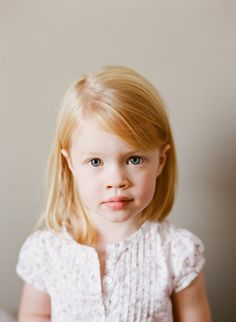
[186,48]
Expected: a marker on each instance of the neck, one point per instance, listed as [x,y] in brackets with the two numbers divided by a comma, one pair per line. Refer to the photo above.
[113,232]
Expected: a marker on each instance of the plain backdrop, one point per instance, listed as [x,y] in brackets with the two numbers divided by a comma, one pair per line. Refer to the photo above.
[186,48]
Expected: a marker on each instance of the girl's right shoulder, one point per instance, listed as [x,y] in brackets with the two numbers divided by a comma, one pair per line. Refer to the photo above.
[43,240]
[38,256]
[39,238]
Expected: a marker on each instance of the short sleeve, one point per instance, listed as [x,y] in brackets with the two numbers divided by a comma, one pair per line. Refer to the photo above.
[187,258]
[33,261]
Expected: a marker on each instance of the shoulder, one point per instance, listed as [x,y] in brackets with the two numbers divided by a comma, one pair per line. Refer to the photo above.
[184,253]
[39,236]
[33,260]
[176,238]
[43,246]
[40,240]
[39,256]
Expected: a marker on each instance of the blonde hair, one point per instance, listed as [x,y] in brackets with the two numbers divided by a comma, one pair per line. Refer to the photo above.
[122,102]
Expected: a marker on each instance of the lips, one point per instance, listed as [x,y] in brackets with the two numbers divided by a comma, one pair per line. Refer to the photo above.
[117,199]
[117,203]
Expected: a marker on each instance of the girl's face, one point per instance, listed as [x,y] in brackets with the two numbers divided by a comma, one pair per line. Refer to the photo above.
[115,181]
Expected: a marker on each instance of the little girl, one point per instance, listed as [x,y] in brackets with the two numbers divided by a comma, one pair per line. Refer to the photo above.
[103,249]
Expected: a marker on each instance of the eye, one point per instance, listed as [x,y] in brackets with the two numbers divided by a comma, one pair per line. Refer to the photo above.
[95,162]
[135,160]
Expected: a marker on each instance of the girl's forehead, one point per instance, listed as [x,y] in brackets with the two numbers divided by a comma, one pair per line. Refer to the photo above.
[92,134]
[87,127]
[93,138]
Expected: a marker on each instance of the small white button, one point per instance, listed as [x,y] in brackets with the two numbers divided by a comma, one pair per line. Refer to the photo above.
[108,280]
[107,302]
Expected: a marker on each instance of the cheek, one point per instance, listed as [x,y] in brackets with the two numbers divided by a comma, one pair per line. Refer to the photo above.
[147,187]
[87,188]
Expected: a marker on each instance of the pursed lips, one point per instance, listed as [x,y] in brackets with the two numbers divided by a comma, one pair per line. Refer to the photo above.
[117,203]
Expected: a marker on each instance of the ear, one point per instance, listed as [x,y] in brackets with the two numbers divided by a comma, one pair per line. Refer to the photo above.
[162,159]
[67,157]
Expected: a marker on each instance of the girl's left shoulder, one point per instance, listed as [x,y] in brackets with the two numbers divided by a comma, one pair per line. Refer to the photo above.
[177,237]
[184,253]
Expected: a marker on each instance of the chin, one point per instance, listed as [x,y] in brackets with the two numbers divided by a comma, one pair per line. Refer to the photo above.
[117,217]
[113,216]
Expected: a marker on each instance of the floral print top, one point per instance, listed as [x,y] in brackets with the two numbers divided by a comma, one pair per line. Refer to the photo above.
[140,273]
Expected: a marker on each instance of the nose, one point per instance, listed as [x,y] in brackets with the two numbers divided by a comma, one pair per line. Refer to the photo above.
[117,179]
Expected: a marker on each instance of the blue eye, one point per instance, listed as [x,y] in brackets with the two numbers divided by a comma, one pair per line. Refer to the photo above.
[95,162]
[135,160]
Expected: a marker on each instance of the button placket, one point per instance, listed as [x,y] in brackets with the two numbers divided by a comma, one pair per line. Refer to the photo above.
[108,280]
[107,285]
[107,302]
[110,266]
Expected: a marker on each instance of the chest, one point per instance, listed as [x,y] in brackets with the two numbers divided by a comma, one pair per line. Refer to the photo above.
[117,286]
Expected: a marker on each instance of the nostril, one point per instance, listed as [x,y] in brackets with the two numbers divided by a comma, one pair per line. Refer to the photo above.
[118,186]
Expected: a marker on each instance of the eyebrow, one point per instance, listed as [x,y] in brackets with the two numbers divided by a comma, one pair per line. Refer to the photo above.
[104,154]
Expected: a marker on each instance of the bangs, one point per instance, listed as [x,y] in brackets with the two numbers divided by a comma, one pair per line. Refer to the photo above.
[131,123]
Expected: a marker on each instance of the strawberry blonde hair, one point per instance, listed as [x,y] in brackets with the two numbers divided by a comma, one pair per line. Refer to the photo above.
[122,102]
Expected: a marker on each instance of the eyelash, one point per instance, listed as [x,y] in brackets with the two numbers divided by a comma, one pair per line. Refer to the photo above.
[134,156]
[139,157]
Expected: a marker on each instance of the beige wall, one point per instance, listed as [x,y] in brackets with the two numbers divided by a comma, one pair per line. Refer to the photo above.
[186,48]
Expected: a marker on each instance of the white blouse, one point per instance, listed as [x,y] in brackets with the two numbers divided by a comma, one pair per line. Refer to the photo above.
[140,273]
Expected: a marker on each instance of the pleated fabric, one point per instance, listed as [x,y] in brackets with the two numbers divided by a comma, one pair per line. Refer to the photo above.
[140,273]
